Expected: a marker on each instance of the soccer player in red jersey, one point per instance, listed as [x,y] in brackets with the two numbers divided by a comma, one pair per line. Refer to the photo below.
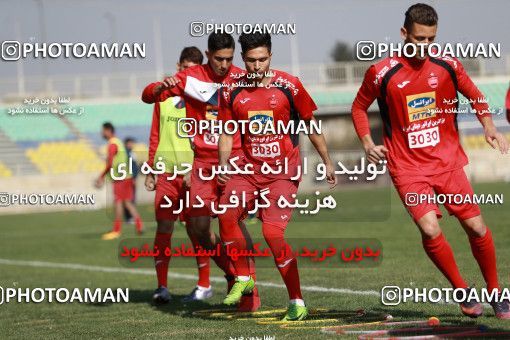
[200,87]
[277,98]
[416,98]
[122,188]
[166,146]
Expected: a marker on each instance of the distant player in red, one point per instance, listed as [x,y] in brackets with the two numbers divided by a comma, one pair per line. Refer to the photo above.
[421,144]
[123,189]
[166,146]
[200,88]
[283,98]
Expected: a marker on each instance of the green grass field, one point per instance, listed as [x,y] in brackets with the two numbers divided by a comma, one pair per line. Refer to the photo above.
[74,238]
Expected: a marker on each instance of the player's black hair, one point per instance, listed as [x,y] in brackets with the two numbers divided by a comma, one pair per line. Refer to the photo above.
[254,40]
[219,41]
[129,139]
[192,54]
[422,14]
[108,126]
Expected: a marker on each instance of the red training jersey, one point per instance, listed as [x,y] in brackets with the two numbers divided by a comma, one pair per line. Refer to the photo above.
[418,104]
[283,99]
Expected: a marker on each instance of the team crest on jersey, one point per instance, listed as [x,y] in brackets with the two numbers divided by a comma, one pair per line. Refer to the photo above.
[263,116]
[421,106]
[432,80]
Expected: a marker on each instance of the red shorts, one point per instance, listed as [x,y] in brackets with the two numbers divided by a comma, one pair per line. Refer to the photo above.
[249,184]
[175,191]
[208,190]
[123,190]
[453,182]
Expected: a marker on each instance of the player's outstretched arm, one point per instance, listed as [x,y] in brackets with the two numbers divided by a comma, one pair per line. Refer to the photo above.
[319,143]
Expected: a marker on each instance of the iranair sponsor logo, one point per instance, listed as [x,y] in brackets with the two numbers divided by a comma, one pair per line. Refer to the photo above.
[261,117]
[421,106]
